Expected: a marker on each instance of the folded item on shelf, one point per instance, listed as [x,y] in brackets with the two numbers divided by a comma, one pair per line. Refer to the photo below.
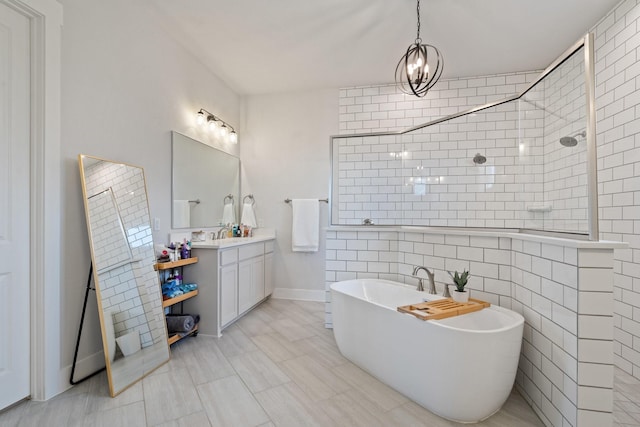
[180,323]
[188,287]
[171,289]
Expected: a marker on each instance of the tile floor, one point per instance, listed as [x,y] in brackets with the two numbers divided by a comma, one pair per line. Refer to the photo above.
[277,366]
[626,400]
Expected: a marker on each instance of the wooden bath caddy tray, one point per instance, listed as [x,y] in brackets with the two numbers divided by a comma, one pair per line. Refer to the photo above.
[443,308]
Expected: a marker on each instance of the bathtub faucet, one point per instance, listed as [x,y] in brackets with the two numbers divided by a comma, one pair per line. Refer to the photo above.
[432,283]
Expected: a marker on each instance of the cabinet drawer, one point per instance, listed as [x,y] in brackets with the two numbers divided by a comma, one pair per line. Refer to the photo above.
[250,251]
[268,247]
[228,256]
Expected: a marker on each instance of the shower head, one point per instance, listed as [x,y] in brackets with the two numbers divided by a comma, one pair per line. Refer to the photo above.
[571,141]
[479,159]
[568,141]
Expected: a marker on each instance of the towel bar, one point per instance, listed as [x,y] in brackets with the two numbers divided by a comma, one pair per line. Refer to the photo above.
[287,200]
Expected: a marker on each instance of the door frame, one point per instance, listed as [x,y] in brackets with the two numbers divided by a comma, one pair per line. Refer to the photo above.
[45,18]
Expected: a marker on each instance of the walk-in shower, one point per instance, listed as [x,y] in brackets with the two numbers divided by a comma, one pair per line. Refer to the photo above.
[527,180]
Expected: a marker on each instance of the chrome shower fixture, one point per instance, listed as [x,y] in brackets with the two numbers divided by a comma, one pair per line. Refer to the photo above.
[479,159]
[571,141]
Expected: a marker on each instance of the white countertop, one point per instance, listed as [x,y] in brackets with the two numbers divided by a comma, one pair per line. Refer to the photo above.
[229,242]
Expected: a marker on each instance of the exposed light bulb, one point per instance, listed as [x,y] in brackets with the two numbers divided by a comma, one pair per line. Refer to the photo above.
[211,122]
[233,137]
[216,126]
[200,118]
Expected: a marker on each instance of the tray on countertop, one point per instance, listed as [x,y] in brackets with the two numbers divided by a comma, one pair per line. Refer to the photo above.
[443,308]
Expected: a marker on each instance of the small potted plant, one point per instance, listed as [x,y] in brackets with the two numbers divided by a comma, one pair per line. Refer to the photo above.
[460,281]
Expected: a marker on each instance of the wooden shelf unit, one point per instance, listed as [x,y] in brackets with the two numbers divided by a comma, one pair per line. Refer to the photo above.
[175,264]
[171,301]
[177,337]
[164,266]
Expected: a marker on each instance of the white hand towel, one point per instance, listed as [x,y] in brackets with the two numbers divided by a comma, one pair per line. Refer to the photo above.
[181,214]
[248,215]
[305,230]
[227,214]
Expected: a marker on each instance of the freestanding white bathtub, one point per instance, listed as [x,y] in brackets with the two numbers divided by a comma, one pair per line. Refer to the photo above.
[461,368]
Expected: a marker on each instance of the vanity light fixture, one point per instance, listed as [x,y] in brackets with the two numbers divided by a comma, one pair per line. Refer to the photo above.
[233,137]
[420,67]
[200,118]
[214,123]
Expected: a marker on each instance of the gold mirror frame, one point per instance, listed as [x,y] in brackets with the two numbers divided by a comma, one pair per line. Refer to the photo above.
[127,286]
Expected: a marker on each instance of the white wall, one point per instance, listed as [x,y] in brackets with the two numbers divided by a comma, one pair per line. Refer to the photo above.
[285,154]
[125,86]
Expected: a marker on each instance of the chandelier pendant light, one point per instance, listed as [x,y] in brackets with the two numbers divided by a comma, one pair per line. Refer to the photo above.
[420,67]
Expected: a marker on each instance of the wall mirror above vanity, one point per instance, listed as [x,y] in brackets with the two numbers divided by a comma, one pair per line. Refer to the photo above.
[134,333]
[204,180]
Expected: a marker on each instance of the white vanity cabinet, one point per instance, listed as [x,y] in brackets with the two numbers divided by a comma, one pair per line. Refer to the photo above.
[228,293]
[250,282]
[232,279]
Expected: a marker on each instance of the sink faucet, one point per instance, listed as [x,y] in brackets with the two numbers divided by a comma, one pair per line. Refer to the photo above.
[222,232]
[432,283]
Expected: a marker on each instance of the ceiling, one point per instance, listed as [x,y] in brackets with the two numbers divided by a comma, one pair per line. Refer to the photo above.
[260,46]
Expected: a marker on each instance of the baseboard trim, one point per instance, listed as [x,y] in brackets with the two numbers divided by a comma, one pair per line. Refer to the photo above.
[84,367]
[299,294]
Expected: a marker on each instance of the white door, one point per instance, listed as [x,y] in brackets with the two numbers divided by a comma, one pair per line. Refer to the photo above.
[14,206]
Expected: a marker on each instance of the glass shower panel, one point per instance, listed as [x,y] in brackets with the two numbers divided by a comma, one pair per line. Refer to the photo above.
[557,104]
[518,164]
[468,172]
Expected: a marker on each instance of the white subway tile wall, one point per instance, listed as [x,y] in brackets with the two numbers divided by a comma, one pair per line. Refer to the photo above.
[107,229]
[129,286]
[565,295]
[428,177]
[617,40]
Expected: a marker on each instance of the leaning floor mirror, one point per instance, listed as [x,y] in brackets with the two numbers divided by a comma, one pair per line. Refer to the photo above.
[134,333]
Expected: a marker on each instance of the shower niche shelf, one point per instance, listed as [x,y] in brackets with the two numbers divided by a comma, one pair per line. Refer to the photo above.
[539,208]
